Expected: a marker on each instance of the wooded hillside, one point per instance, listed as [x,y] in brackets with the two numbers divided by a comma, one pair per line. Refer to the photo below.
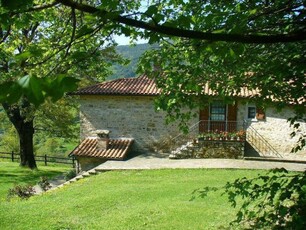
[132,53]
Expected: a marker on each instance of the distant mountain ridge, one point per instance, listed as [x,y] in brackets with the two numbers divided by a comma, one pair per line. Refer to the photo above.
[132,53]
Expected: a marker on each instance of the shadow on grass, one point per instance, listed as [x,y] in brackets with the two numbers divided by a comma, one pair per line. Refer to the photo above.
[28,178]
[203,192]
[11,174]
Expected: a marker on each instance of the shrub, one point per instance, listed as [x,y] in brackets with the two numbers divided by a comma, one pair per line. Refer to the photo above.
[276,200]
[70,174]
[44,183]
[22,191]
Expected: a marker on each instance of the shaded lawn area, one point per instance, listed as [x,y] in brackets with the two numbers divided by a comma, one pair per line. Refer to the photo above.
[133,199]
[12,174]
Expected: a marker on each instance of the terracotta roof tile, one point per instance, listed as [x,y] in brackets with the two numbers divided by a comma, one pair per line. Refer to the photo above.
[118,148]
[141,86]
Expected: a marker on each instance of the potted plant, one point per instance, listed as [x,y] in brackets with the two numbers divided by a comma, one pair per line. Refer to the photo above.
[232,136]
[241,135]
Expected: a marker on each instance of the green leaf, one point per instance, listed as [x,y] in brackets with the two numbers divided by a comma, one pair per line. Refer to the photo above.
[24,81]
[23,56]
[126,31]
[151,10]
[253,11]
[4,21]
[16,4]
[32,88]
[84,30]
[238,7]
[10,92]
[69,84]
[219,31]
[232,53]
[57,87]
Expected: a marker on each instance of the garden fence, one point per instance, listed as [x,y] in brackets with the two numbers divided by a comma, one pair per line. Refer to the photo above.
[15,157]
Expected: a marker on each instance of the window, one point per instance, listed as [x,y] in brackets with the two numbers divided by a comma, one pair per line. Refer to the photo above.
[255,113]
[251,112]
[217,111]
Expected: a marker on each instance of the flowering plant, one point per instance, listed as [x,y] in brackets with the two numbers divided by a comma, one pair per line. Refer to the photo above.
[222,135]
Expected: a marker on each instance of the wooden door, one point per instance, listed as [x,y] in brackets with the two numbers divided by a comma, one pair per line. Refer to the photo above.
[232,118]
[204,117]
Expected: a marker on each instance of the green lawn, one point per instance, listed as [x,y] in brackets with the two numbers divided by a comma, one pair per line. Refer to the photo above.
[147,199]
[11,174]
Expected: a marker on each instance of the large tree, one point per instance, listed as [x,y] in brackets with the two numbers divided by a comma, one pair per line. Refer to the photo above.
[40,52]
[257,44]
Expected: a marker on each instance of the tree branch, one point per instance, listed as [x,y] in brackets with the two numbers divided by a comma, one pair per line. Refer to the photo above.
[73,18]
[171,31]
[4,36]
[38,8]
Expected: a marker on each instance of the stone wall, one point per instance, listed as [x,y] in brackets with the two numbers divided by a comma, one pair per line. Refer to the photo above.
[135,117]
[127,116]
[274,128]
[210,149]
[87,163]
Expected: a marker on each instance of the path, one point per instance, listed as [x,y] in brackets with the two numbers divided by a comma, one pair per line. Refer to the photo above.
[157,161]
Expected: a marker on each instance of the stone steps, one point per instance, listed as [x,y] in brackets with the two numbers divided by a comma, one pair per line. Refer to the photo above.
[86,174]
[209,149]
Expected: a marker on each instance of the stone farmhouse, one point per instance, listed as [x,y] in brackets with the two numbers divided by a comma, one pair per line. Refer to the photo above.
[119,116]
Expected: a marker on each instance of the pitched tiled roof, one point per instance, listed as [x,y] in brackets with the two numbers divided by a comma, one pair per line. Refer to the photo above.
[117,148]
[141,86]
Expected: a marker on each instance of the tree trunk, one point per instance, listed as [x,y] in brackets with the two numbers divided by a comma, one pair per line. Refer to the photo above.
[25,133]
[25,129]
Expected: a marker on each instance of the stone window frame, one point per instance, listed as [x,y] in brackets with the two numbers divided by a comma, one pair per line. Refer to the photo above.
[259,113]
[247,109]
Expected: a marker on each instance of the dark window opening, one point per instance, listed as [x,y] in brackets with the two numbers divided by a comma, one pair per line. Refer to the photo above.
[251,112]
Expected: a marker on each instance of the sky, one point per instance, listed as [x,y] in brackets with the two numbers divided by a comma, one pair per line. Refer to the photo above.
[123,40]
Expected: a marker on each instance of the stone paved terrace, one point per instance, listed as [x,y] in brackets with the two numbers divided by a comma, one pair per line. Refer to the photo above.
[159,161]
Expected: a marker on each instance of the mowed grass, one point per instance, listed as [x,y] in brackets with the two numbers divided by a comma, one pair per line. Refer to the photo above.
[12,174]
[144,199]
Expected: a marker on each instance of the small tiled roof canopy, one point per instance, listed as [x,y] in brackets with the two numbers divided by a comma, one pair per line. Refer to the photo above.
[142,86]
[117,150]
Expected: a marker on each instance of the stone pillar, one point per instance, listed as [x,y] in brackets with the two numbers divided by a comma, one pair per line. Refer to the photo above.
[103,139]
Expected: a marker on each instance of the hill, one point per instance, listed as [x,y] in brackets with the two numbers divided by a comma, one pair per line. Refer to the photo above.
[132,53]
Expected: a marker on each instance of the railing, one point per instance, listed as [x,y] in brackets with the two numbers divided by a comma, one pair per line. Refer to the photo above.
[259,143]
[229,130]
[15,157]
[209,128]
[225,126]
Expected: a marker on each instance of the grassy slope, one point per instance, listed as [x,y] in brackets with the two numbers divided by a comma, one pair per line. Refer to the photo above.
[152,199]
[11,174]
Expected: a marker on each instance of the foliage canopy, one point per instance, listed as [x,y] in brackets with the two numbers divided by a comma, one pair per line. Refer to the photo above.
[257,44]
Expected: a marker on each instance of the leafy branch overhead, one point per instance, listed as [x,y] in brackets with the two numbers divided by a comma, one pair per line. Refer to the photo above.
[164,21]
[202,23]
[37,89]
[42,56]
[44,46]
